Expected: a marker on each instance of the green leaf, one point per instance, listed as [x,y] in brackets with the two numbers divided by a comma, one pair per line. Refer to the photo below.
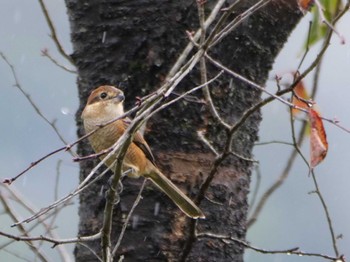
[318,29]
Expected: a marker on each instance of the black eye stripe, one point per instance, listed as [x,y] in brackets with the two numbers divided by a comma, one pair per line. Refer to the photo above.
[105,95]
[98,98]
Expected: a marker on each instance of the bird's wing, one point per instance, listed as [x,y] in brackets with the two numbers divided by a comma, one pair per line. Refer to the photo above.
[141,142]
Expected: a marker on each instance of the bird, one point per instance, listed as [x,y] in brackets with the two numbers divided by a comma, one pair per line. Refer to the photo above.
[104,104]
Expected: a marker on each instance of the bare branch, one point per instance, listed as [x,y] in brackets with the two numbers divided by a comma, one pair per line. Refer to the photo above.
[62,201]
[45,53]
[325,21]
[53,32]
[10,212]
[122,232]
[290,251]
[243,157]
[251,83]
[307,48]
[200,134]
[255,190]
[15,254]
[283,176]
[203,67]
[110,202]
[91,250]
[54,241]
[196,36]
[65,148]
[9,181]
[183,96]
[328,216]
[93,156]
[274,142]
[215,37]
[23,202]
[336,123]
[31,102]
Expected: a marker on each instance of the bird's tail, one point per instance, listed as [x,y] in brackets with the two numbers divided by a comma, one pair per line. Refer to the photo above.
[175,194]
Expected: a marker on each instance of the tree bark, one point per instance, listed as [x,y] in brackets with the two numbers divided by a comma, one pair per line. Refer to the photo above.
[132,44]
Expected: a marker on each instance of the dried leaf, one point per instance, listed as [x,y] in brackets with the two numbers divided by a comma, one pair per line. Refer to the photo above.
[318,139]
[299,98]
[305,5]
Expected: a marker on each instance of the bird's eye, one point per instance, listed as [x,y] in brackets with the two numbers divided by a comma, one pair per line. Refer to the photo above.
[103,95]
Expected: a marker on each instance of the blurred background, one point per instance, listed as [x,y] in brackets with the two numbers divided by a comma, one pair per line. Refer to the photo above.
[291,218]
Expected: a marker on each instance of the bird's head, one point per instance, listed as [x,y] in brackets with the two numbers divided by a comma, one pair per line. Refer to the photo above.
[104,104]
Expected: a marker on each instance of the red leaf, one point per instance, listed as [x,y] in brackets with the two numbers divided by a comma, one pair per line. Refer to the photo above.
[318,139]
[299,98]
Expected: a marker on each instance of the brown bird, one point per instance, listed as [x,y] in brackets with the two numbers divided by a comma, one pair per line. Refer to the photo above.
[106,103]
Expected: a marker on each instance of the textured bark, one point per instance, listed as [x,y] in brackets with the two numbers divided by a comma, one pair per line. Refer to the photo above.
[132,44]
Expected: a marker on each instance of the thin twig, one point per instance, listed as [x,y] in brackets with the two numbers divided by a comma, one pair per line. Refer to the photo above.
[9,181]
[108,211]
[203,67]
[307,49]
[200,134]
[336,123]
[325,21]
[317,190]
[256,189]
[184,71]
[173,71]
[23,202]
[54,241]
[272,142]
[81,187]
[201,195]
[248,159]
[58,173]
[91,250]
[31,102]
[328,216]
[278,183]
[53,32]
[122,232]
[93,156]
[15,254]
[10,211]
[251,83]
[182,96]
[45,53]
[290,251]
[296,143]
[215,37]
[55,213]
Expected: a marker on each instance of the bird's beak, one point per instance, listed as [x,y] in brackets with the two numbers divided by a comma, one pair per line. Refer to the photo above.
[119,98]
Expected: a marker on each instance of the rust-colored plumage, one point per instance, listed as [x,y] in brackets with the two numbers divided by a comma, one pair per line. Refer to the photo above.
[106,103]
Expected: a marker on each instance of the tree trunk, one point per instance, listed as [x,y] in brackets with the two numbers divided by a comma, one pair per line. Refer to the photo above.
[133,44]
